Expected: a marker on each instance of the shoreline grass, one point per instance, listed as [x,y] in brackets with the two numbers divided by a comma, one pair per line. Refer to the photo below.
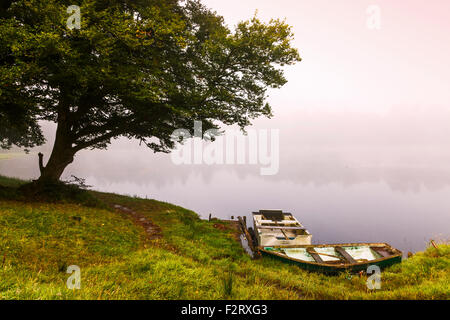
[195,259]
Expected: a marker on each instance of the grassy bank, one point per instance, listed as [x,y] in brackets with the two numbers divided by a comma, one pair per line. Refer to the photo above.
[194,259]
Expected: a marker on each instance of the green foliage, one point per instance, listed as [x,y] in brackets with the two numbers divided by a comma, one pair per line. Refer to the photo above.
[8,188]
[58,192]
[18,107]
[11,182]
[137,69]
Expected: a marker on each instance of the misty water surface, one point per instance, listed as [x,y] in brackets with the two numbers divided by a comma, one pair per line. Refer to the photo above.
[347,178]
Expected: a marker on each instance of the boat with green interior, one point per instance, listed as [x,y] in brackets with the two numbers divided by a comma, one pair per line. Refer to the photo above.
[334,258]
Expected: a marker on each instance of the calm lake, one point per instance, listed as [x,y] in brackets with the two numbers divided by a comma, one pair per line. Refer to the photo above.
[392,193]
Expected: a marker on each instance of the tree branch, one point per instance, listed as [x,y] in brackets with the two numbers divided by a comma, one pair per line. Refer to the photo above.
[95,141]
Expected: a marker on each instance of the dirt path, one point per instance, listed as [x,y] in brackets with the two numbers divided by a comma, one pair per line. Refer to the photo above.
[152,230]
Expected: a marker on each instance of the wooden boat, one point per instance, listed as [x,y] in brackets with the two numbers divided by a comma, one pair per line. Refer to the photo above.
[333,258]
[280,235]
[275,228]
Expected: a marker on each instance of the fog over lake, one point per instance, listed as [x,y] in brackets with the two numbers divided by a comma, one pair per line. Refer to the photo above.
[353,177]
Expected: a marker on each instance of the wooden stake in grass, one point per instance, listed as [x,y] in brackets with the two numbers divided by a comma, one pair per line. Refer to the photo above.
[435,246]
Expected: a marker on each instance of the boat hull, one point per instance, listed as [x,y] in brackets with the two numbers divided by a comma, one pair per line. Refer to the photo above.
[383,262]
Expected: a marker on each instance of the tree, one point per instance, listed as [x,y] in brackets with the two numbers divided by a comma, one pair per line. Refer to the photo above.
[139,69]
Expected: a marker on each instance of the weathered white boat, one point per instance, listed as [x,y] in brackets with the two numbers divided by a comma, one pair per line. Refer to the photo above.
[277,228]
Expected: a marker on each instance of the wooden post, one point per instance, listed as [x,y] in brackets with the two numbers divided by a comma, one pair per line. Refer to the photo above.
[209,219]
[434,244]
[247,235]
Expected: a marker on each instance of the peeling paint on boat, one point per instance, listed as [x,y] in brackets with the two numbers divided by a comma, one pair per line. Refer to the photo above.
[274,227]
[332,260]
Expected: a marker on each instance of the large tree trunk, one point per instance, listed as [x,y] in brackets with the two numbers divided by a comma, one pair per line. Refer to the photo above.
[62,155]
[55,167]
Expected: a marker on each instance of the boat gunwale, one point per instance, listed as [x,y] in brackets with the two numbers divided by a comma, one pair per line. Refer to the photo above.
[342,266]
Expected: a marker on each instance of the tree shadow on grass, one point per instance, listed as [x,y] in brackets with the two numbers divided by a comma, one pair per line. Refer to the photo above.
[52,192]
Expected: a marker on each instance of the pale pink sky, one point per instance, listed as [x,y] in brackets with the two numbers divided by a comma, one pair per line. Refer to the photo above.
[348,66]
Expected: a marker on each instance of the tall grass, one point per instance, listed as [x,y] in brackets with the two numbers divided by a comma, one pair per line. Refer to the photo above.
[228,285]
[193,260]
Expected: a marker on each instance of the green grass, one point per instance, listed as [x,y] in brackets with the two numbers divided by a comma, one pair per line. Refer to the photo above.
[11,182]
[193,259]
